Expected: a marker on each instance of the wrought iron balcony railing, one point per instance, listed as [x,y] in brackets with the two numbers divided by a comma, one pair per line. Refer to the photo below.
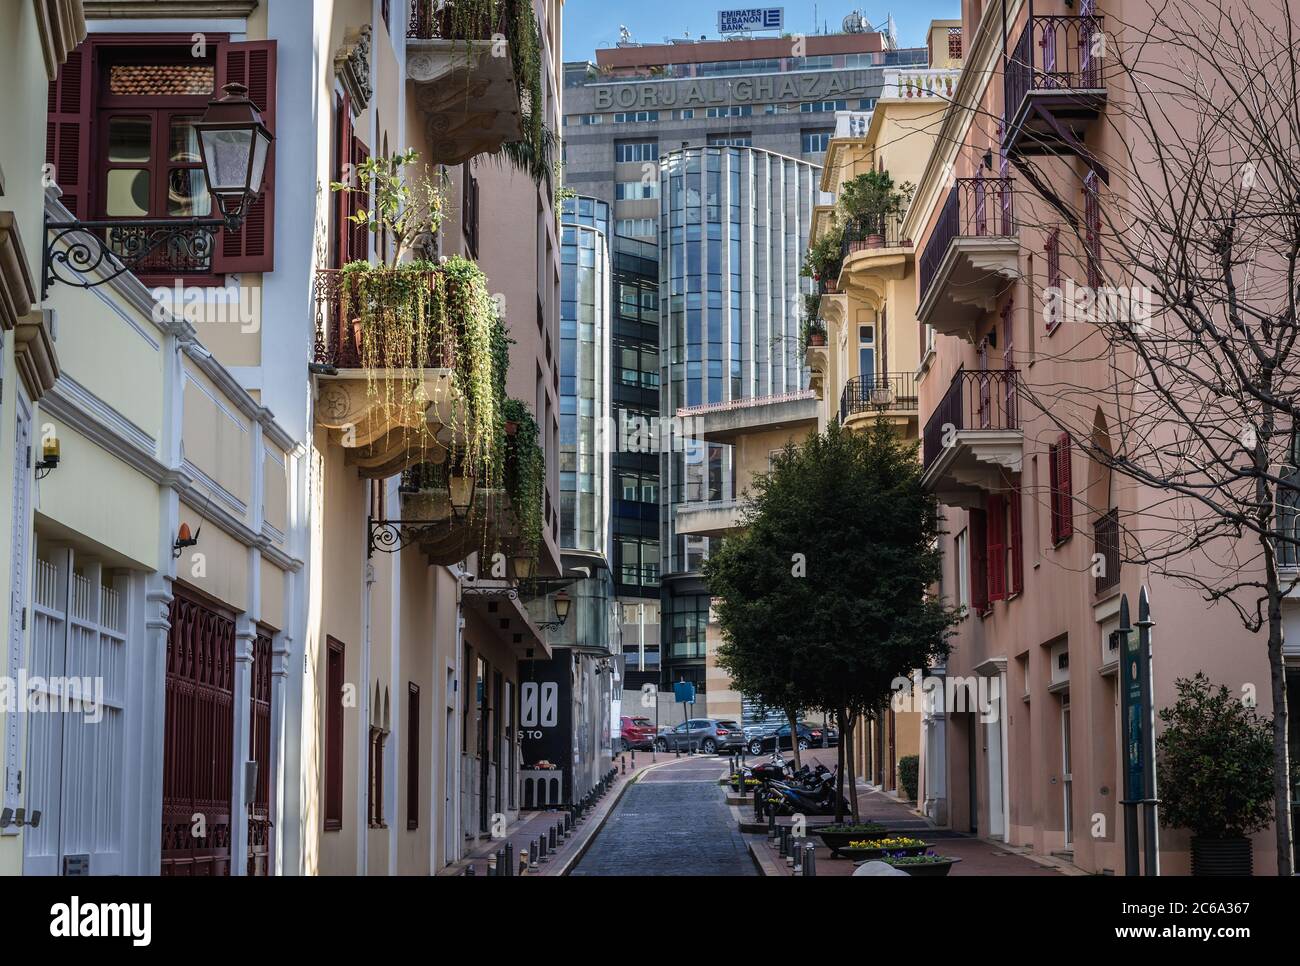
[1105,537]
[880,231]
[436,20]
[976,400]
[341,342]
[1054,53]
[885,392]
[975,208]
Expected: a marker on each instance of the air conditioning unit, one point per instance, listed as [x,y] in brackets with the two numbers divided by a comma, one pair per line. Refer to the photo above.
[1060,663]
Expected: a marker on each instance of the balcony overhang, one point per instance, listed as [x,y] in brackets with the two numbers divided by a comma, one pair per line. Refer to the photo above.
[384,424]
[447,538]
[498,603]
[963,473]
[466,92]
[708,519]
[974,271]
[728,424]
[867,271]
[817,359]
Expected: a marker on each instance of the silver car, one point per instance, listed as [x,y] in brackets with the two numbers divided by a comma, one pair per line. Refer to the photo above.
[708,735]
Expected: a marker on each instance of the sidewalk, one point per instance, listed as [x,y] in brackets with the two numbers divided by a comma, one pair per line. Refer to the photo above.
[978,856]
[480,854]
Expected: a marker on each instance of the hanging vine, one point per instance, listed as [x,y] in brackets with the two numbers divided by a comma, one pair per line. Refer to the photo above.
[525,478]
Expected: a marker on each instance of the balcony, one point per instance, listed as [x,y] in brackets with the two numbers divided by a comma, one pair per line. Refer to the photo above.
[716,519]
[471,98]
[920,83]
[1053,87]
[973,438]
[874,252]
[1106,544]
[727,422]
[852,124]
[387,391]
[888,394]
[971,256]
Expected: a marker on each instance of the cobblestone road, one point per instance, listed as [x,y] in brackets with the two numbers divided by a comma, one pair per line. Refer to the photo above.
[674,821]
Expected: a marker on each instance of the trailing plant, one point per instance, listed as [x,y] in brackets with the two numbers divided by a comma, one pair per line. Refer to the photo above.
[525,475]
[872,197]
[1215,758]
[409,208]
[810,326]
[825,256]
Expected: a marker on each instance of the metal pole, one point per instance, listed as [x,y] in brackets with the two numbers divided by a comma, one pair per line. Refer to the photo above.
[1132,860]
[1144,624]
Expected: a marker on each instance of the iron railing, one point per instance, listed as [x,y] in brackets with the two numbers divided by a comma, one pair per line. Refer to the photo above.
[877,231]
[1054,53]
[884,392]
[974,208]
[340,342]
[1105,542]
[984,400]
[829,286]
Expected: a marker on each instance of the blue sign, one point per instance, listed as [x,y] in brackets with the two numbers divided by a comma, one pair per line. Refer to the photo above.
[684,691]
[752,18]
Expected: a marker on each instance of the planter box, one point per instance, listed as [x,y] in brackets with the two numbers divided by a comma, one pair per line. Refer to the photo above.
[929,868]
[868,855]
[835,841]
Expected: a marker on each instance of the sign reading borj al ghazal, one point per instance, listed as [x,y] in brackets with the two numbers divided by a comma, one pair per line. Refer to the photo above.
[741,90]
[751,18]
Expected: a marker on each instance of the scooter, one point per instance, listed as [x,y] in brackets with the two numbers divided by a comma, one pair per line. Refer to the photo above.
[791,799]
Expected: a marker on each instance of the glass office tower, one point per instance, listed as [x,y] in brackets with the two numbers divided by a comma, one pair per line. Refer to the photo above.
[733,226]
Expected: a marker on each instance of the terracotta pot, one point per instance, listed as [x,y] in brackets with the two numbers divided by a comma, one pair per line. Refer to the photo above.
[816,338]
[875,241]
[512,427]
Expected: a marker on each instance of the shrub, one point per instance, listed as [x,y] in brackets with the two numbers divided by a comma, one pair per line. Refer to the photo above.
[909,767]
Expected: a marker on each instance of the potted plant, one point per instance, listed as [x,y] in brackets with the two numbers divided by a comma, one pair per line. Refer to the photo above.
[814,333]
[928,864]
[1215,759]
[884,847]
[871,201]
[839,836]
[824,257]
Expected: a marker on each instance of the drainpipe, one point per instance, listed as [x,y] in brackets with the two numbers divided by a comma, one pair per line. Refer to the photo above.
[363,775]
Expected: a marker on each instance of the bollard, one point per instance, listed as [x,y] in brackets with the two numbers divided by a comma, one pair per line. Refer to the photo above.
[785,842]
[532,856]
[810,859]
[622,763]
[771,824]
[499,864]
[551,839]
[758,803]
[510,859]
[541,849]
[797,850]
[523,865]
[469,870]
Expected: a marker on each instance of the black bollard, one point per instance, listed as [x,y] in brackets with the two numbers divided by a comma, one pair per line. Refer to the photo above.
[532,856]
[469,870]
[510,860]
[809,859]
[551,839]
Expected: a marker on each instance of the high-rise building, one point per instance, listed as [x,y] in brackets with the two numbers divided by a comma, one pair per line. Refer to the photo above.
[710,149]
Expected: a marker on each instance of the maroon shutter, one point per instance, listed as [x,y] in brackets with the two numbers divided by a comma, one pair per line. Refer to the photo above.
[996,542]
[342,174]
[359,235]
[252,248]
[412,755]
[68,130]
[1092,228]
[334,672]
[1017,542]
[979,559]
[1065,485]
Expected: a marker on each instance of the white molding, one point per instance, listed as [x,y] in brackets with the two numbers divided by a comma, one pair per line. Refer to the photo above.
[234,503]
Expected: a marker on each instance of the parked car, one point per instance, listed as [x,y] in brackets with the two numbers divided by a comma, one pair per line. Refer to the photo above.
[809,736]
[709,735]
[638,733]
[753,731]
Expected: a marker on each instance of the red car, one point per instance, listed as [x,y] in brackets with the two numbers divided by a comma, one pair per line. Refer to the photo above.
[638,732]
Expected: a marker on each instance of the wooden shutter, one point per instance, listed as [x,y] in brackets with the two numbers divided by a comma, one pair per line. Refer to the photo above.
[979,582]
[412,756]
[1092,227]
[1014,510]
[334,735]
[68,130]
[359,234]
[252,248]
[996,546]
[1062,504]
[342,200]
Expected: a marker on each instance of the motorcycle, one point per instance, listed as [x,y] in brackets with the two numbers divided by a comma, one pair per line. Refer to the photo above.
[793,799]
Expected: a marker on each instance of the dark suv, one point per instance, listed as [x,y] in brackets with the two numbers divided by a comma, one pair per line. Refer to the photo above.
[809,736]
[709,735]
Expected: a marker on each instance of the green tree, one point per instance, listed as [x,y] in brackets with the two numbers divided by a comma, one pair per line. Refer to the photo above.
[824,595]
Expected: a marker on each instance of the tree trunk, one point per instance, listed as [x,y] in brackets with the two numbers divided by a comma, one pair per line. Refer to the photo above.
[839,782]
[1281,756]
[848,728]
[792,717]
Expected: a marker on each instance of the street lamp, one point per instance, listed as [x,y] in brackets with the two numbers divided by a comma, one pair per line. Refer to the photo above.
[460,490]
[524,566]
[234,146]
[562,604]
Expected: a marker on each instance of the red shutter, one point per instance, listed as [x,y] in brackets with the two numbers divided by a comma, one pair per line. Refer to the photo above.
[334,674]
[68,130]
[342,199]
[1062,504]
[979,556]
[1017,542]
[359,234]
[252,248]
[996,543]
[1092,228]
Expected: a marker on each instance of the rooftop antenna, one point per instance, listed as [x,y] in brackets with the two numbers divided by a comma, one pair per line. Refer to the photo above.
[624,35]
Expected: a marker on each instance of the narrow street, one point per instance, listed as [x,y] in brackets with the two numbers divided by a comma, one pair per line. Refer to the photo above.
[673,821]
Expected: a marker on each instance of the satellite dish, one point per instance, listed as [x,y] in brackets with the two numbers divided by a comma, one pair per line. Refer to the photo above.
[855,23]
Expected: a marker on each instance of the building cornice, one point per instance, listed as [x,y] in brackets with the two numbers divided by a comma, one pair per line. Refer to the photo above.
[163,9]
[62,25]
[17,292]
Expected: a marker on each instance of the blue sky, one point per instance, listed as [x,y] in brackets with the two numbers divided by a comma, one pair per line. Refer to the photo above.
[589,24]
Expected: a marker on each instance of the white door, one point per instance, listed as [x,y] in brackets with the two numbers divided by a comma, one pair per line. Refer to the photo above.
[19,505]
[78,648]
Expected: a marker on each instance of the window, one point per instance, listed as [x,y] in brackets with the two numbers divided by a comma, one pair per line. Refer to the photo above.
[954,43]
[334,672]
[122,141]
[636,227]
[739,140]
[636,190]
[736,110]
[961,561]
[866,351]
[867,104]
[634,117]
[1059,471]
[412,755]
[686,114]
[824,107]
[629,151]
[816,142]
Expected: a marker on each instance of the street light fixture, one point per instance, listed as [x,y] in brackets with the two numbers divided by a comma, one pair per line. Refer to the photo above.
[460,490]
[234,146]
[562,604]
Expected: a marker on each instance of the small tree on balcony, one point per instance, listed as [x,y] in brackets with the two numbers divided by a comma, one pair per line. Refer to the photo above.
[872,198]
[824,257]
[1181,278]
[823,595]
